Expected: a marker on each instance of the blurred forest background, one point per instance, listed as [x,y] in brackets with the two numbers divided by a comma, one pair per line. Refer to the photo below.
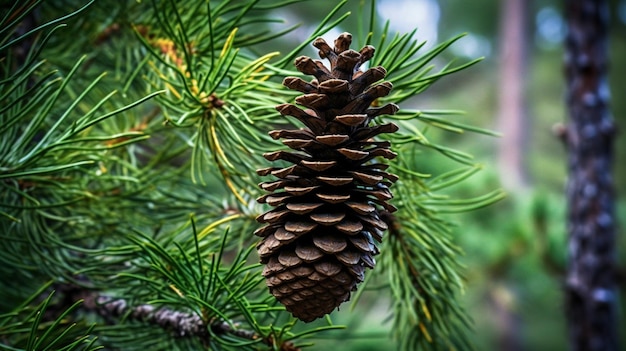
[515,249]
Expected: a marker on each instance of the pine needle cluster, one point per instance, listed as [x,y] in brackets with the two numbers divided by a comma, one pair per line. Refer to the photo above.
[130,133]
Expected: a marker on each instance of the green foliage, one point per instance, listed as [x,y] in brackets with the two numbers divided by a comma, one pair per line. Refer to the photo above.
[29,327]
[420,259]
[127,158]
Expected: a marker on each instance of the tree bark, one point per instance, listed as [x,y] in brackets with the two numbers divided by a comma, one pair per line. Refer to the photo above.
[513,119]
[590,288]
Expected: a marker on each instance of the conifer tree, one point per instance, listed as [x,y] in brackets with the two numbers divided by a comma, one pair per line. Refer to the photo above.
[130,138]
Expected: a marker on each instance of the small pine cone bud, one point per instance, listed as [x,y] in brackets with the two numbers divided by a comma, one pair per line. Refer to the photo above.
[321,234]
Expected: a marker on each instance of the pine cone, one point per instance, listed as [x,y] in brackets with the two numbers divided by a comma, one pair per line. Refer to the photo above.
[320,236]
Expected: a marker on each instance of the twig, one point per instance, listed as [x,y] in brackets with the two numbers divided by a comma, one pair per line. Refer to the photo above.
[181,324]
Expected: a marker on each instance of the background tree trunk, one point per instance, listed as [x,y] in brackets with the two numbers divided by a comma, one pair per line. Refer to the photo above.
[513,121]
[590,285]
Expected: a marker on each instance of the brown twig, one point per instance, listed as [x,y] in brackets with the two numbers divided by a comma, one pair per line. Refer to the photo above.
[179,323]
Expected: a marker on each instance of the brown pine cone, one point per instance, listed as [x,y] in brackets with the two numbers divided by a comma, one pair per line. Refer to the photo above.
[327,200]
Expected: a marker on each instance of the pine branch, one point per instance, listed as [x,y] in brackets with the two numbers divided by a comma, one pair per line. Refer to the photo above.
[111,199]
[178,323]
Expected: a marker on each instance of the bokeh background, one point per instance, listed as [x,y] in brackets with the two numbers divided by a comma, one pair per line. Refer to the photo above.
[516,249]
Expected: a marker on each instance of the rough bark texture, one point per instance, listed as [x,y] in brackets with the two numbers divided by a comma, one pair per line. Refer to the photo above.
[590,285]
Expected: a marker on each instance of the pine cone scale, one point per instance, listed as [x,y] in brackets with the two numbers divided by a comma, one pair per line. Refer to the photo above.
[320,237]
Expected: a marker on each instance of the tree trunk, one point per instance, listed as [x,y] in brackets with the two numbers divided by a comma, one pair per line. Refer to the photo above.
[512,106]
[590,289]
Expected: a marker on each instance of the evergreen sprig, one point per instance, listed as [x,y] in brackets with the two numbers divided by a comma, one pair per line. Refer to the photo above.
[421,259]
[214,300]
[223,94]
[32,327]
